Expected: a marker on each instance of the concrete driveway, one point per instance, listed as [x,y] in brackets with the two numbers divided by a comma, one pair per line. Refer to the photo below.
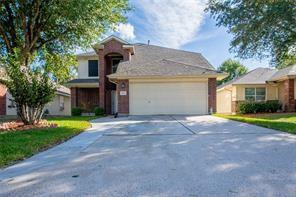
[161,156]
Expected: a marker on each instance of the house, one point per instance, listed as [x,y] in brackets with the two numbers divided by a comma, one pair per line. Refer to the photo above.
[143,79]
[60,106]
[260,84]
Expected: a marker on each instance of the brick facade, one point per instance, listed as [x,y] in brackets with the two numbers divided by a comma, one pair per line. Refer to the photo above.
[289,100]
[110,47]
[123,100]
[85,97]
[212,84]
[2,100]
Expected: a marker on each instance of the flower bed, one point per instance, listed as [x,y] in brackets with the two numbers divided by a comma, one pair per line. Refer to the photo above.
[18,125]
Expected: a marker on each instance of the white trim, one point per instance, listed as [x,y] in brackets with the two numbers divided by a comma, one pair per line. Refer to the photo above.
[115,38]
[255,94]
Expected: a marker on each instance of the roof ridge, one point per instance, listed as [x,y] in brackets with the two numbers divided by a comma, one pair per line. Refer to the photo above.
[188,64]
[235,79]
[143,44]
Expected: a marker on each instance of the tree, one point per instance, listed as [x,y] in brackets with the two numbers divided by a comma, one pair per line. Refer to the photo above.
[233,68]
[261,28]
[37,40]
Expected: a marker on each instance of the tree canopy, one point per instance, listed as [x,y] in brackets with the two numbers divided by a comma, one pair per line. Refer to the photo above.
[37,41]
[233,68]
[261,28]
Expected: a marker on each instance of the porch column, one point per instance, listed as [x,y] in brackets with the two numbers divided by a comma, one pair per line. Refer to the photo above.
[289,100]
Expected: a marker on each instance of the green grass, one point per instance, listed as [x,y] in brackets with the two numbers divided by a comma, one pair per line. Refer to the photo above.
[19,145]
[281,122]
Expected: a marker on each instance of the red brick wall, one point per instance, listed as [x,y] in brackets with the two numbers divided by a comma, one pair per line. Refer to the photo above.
[2,100]
[289,100]
[73,97]
[81,97]
[212,83]
[123,100]
[112,46]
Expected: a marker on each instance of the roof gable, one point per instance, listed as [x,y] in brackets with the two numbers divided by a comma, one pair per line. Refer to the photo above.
[112,37]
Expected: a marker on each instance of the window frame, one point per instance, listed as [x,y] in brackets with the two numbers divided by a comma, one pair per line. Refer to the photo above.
[90,74]
[255,94]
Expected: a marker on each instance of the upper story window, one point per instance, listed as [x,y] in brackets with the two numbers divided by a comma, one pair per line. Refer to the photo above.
[115,63]
[255,94]
[93,68]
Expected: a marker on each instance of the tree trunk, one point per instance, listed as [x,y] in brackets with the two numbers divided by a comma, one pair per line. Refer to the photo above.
[30,115]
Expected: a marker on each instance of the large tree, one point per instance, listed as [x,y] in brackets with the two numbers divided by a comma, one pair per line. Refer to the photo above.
[261,28]
[37,38]
[233,68]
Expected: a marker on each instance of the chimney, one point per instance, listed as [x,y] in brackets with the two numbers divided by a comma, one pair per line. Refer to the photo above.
[148,42]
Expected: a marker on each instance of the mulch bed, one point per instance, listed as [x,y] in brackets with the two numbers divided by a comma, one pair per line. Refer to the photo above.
[18,125]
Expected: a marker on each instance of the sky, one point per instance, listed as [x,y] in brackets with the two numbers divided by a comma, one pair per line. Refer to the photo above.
[181,25]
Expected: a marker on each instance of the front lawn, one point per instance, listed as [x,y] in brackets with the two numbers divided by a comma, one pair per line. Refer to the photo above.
[282,122]
[19,145]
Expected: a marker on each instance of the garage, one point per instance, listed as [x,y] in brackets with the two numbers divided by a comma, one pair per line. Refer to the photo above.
[174,97]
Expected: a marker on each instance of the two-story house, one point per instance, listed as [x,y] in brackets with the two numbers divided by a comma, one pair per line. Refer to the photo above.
[143,79]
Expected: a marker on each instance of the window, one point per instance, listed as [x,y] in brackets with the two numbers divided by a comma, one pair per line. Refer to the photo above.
[93,67]
[62,103]
[11,103]
[115,63]
[255,94]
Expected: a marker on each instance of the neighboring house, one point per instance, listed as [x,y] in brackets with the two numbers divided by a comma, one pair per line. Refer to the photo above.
[141,79]
[261,84]
[60,106]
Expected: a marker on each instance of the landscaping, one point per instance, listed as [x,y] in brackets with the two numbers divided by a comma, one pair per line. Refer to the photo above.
[280,121]
[18,145]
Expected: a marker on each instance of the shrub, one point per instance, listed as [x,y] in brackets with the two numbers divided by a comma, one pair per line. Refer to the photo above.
[273,106]
[99,111]
[76,111]
[258,107]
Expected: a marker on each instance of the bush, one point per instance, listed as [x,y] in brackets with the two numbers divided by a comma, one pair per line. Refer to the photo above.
[99,111]
[258,107]
[273,106]
[76,111]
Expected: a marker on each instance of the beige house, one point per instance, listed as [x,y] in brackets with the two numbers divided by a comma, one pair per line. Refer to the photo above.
[60,106]
[261,84]
[143,79]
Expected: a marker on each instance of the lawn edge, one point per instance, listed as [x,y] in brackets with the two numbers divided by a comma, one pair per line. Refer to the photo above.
[51,145]
[228,117]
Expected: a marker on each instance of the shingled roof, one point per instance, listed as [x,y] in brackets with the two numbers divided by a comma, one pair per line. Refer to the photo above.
[151,60]
[256,76]
[285,72]
[161,68]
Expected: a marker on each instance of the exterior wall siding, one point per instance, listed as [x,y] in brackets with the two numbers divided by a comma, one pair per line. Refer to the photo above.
[212,84]
[271,91]
[224,101]
[83,67]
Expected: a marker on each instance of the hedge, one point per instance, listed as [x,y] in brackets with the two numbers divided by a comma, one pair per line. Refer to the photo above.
[76,111]
[258,107]
[99,111]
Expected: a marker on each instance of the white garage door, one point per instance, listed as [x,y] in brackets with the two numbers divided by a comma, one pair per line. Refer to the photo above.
[168,98]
